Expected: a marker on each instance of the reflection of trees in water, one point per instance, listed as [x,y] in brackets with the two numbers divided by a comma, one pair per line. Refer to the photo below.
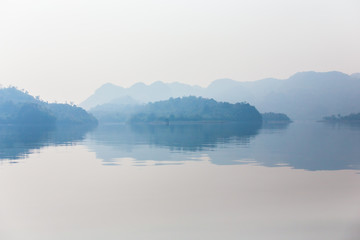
[17,141]
[195,137]
[343,125]
[310,146]
[183,137]
[275,125]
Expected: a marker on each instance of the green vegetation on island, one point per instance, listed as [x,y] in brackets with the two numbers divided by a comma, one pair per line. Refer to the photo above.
[351,118]
[271,117]
[18,107]
[185,109]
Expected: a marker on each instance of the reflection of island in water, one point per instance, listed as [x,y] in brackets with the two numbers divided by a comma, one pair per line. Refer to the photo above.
[178,137]
[17,141]
[310,146]
[166,144]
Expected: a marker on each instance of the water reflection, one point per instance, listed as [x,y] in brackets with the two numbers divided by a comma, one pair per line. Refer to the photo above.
[343,125]
[181,137]
[166,144]
[310,146]
[18,141]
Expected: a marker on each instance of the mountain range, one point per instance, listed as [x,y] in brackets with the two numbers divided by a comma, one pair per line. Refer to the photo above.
[303,96]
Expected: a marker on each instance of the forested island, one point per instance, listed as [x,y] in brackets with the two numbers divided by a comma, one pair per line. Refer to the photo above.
[185,109]
[351,118]
[19,107]
[271,117]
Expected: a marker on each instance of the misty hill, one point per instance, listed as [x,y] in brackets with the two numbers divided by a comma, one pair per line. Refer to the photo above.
[12,94]
[351,118]
[18,107]
[271,117]
[305,95]
[140,93]
[179,109]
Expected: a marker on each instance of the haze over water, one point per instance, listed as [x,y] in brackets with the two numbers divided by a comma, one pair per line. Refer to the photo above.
[252,61]
[194,181]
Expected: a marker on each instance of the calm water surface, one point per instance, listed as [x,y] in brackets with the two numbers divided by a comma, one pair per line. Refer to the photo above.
[211,181]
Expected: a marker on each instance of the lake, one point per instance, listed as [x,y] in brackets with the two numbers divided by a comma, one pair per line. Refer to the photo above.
[182,181]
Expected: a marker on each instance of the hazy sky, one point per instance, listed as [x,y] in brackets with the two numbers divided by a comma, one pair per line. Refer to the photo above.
[65,49]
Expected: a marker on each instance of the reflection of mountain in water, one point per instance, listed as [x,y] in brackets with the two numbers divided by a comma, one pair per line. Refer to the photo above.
[144,142]
[310,146]
[195,137]
[17,141]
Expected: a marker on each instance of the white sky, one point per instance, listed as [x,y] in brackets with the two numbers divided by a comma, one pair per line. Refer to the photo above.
[65,49]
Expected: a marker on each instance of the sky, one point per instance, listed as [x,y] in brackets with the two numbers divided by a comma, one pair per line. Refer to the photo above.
[63,50]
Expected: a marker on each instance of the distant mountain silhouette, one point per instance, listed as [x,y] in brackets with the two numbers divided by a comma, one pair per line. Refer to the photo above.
[305,95]
[139,92]
[18,107]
